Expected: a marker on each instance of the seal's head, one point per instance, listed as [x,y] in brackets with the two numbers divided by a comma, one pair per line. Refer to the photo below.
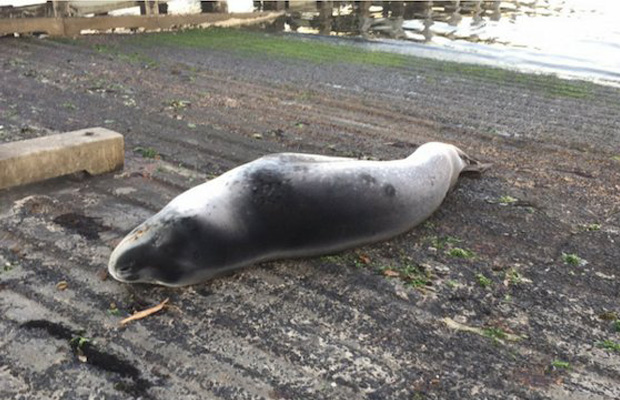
[166,249]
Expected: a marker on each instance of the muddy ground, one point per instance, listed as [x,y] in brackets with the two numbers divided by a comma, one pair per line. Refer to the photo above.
[509,291]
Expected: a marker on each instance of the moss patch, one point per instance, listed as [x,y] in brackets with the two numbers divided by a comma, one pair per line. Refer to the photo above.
[129,57]
[483,281]
[458,252]
[412,275]
[572,259]
[609,345]
[559,364]
[269,45]
[293,47]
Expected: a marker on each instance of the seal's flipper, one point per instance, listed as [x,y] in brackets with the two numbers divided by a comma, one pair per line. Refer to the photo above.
[473,167]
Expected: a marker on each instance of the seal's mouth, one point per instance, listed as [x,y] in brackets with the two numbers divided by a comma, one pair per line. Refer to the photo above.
[127,278]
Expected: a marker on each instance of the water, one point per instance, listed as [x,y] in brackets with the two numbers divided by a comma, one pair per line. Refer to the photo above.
[570,38]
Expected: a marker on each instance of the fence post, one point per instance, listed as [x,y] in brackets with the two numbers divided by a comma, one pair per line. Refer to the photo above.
[61,8]
[152,7]
[325,17]
[61,11]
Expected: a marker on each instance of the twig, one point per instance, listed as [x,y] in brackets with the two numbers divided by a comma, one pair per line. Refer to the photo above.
[144,313]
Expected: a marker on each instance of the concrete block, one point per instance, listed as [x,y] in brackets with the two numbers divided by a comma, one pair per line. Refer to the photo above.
[94,150]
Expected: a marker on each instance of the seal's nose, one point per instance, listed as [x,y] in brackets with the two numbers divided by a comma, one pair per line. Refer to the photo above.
[127,259]
[123,268]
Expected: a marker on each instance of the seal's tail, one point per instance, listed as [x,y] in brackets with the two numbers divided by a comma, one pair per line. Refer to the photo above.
[473,166]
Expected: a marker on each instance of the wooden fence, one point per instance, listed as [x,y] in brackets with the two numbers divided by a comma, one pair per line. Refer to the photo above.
[55,19]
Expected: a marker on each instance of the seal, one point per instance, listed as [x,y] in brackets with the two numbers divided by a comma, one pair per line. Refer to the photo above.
[286,205]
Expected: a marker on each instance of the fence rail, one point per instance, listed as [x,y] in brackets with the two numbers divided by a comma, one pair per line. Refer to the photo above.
[73,26]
